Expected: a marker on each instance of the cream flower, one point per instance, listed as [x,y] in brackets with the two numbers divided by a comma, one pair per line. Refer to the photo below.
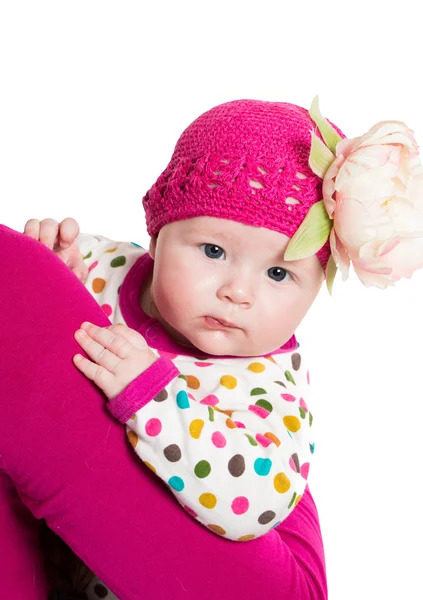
[372,207]
[373,191]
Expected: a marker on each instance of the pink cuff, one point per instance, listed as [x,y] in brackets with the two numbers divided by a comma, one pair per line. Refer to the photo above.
[142,389]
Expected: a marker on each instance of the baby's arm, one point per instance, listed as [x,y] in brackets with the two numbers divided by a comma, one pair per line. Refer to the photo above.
[239,472]
[238,477]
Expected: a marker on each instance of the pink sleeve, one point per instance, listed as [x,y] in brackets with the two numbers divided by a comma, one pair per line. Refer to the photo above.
[70,463]
[142,389]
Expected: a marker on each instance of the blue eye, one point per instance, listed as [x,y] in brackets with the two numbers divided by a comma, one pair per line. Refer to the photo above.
[278,274]
[212,251]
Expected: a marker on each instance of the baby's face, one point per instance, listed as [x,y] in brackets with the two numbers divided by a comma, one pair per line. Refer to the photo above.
[224,288]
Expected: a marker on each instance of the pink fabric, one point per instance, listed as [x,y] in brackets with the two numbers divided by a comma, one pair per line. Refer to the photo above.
[71,464]
[240,161]
[142,389]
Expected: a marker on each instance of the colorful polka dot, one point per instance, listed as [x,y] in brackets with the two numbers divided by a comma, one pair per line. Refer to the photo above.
[229,382]
[153,427]
[240,505]
[246,538]
[182,399]
[119,261]
[218,439]
[195,428]
[217,529]
[296,361]
[133,438]
[289,377]
[89,255]
[193,382]
[257,392]
[236,465]
[110,250]
[266,517]
[202,469]
[161,396]
[176,483]
[259,411]
[207,500]
[273,437]
[239,424]
[98,285]
[303,404]
[262,466]
[265,404]
[281,483]
[292,423]
[256,367]
[263,440]
[93,266]
[280,383]
[210,400]
[288,397]
[291,502]
[211,413]
[107,309]
[150,466]
[312,448]
[172,453]
[203,364]
[251,440]
[305,468]
[231,424]
[270,357]
[294,463]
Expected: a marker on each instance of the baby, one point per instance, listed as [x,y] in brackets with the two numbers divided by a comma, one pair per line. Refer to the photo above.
[201,362]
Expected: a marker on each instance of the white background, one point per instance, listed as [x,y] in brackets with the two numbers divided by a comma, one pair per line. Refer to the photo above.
[93,98]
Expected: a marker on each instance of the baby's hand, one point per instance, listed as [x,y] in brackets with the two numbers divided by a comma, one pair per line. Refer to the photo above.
[60,238]
[118,355]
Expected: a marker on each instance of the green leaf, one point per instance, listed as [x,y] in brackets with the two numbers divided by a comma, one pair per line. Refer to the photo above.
[331,269]
[321,157]
[329,134]
[312,234]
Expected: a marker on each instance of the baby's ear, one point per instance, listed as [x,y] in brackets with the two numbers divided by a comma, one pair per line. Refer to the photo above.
[152,247]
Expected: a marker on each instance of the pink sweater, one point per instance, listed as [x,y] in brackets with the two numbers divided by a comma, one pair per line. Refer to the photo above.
[70,464]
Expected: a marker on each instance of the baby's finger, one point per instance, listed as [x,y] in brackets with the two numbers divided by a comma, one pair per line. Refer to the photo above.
[32,228]
[97,351]
[49,229]
[68,232]
[96,373]
[112,340]
[132,336]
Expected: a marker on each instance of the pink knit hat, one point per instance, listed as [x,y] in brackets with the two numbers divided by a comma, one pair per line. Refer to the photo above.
[246,161]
